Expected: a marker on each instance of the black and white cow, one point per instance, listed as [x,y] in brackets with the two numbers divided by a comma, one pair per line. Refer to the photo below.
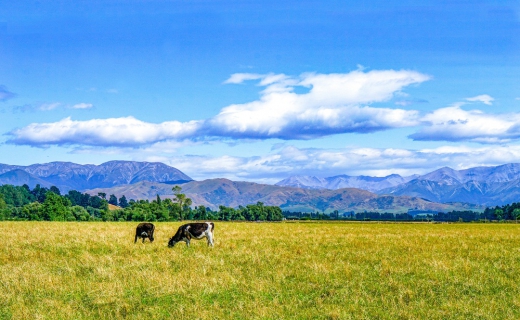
[144,230]
[195,230]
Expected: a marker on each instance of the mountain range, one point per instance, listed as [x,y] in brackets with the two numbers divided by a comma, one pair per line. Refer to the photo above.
[214,192]
[71,176]
[489,186]
[343,181]
[442,189]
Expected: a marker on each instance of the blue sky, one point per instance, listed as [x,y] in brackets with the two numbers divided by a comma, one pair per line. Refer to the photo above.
[262,90]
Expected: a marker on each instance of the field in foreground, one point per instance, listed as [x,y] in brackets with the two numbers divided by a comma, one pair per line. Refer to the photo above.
[52,270]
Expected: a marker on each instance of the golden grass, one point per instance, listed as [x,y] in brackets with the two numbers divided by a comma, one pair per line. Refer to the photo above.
[68,270]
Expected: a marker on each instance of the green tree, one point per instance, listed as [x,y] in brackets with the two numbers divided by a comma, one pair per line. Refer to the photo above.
[516,213]
[182,200]
[123,203]
[3,205]
[174,210]
[39,193]
[201,213]
[112,200]
[32,211]
[80,213]
[55,190]
[225,213]
[3,208]
[15,196]
[55,207]
[96,202]
[499,213]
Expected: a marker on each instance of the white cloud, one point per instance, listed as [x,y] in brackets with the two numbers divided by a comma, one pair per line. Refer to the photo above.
[237,78]
[332,105]
[289,161]
[82,106]
[484,98]
[456,124]
[102,132]
[49,106]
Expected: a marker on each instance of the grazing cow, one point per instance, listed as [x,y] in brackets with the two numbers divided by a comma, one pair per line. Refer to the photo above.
[144,230]
[195,230]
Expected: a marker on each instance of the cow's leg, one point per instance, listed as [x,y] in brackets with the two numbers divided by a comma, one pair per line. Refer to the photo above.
[143,239]
[135,239]
[209,236]
[188,243]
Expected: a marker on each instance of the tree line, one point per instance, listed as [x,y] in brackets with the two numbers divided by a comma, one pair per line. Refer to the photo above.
[40,203]
[507,212]
[48,204]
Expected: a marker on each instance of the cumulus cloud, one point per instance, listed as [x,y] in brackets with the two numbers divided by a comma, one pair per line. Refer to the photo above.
[455,124]
[5,94]
[126,131]
[332,104]
[484,98]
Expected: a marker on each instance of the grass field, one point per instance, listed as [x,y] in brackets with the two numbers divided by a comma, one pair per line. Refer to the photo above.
[52,270]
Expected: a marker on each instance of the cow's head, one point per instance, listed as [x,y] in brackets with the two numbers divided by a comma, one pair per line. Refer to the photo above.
[172,242]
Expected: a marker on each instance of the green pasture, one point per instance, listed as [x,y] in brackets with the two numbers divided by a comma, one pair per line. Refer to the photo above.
[287,270]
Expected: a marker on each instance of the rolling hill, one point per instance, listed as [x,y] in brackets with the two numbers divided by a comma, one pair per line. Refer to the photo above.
[214,192]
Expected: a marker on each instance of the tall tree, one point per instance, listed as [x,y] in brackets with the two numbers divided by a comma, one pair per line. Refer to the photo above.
[55,207]
[55,190]
[123,203]
[112,200]
[182,200]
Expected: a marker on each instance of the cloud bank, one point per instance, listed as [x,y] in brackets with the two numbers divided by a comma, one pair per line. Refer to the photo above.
[332,104]
[308,106]
[456,124]
[289,160]
[120,132]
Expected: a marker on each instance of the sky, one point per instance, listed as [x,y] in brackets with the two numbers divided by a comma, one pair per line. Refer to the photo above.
[262,90]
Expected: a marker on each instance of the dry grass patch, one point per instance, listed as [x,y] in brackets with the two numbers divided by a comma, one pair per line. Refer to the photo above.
[52,270]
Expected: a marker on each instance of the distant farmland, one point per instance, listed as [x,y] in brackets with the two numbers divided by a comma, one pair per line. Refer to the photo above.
[332,270]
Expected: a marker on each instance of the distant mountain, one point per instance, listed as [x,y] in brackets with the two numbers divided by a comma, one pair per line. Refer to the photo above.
[480,185]
[368,183]
[487,186]
[214,192]
[20,177]
[448,176]
[67,176]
